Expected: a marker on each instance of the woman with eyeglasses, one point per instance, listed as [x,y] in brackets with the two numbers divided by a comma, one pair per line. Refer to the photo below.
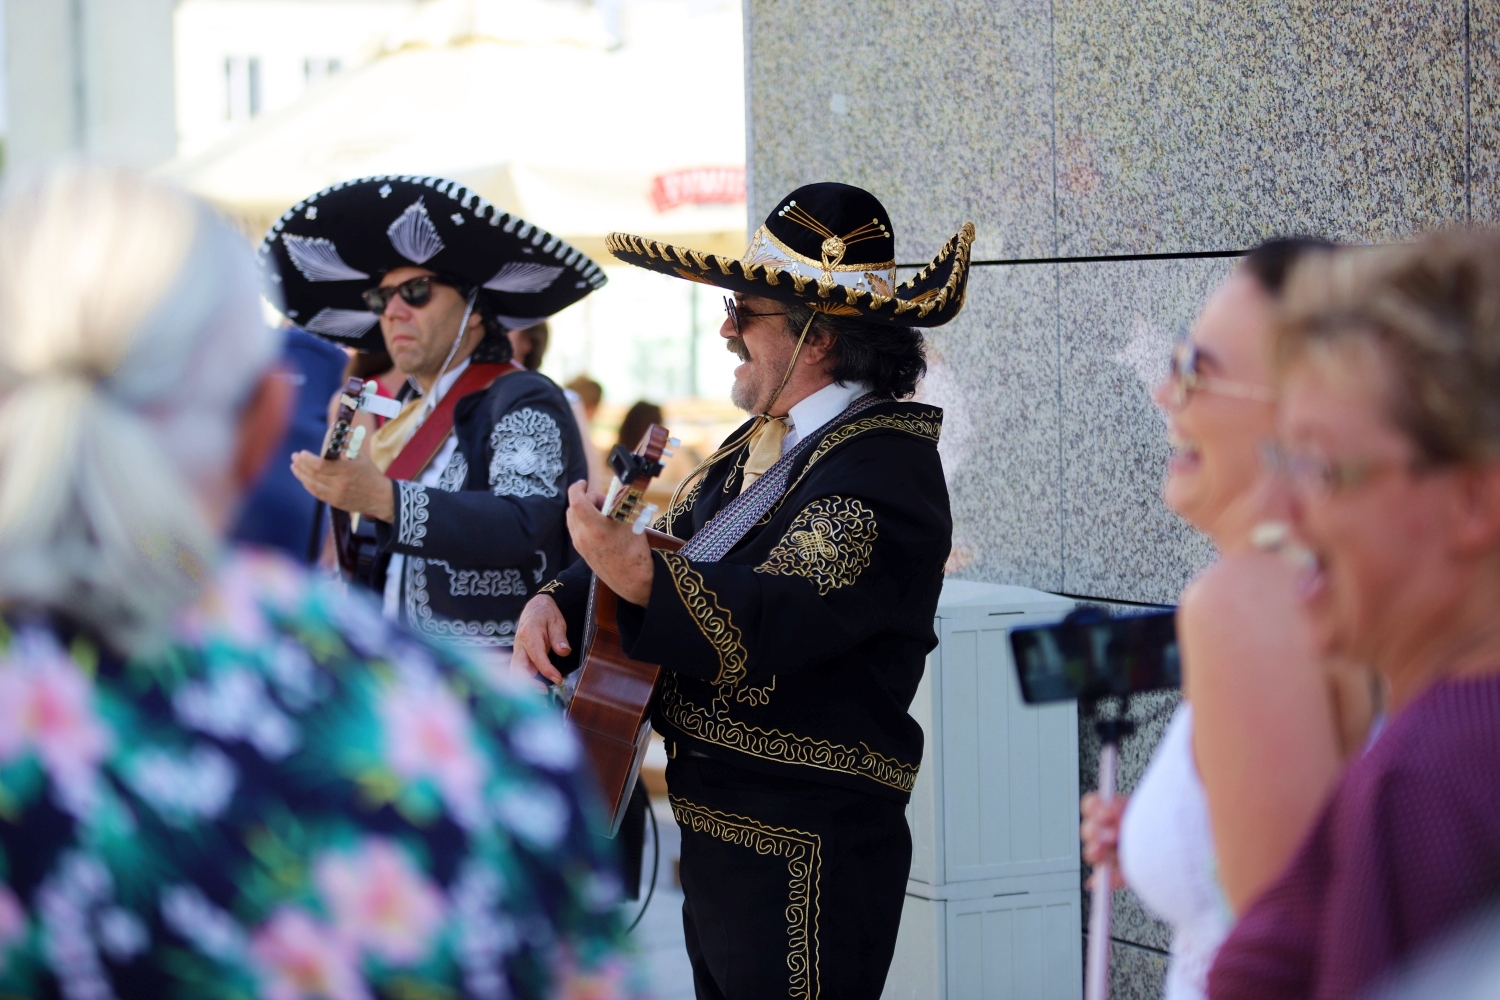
[1264,725]
[1390,420]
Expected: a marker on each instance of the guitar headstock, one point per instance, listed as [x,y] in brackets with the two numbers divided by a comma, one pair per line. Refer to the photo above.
[340,437]
[634,471]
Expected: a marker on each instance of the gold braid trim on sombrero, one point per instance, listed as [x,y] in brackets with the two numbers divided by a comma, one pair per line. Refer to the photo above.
[856,301]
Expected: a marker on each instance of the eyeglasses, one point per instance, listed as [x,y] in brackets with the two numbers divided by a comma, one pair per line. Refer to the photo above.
[413,291]
[1185,379]
[736,313]
[1318,477]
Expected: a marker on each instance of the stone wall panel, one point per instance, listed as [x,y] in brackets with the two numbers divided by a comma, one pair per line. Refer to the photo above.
[994,372]
[942,109]
[1190,126]
[1118,321]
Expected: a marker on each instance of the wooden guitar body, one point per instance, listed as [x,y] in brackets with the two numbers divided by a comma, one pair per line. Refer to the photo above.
[611,706]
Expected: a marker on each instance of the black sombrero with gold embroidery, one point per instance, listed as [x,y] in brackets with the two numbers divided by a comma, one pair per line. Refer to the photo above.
[828,247]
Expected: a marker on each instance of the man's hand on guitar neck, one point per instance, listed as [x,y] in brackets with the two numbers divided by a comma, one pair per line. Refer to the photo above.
[354,485]
[617,555]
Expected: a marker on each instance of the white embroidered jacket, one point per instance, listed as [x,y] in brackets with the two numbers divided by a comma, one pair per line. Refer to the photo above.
[491,532]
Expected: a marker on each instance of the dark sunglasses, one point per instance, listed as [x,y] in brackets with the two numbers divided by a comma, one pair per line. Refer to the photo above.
[736,313]
[415,292]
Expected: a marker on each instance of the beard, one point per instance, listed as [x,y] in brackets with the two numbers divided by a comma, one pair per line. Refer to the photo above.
[746,394]
[746,391]
[752,390]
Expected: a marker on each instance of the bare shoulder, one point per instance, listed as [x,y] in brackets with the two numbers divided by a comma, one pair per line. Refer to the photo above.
[1240,616]
[1237,583]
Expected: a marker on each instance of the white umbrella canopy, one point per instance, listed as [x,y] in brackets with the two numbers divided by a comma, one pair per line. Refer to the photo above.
[531,103]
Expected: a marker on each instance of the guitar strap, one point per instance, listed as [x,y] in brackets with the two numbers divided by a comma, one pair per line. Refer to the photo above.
[729,525]
[429,438]
[355,552]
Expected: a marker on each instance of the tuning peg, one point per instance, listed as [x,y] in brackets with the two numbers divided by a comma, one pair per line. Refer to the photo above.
[644,518]
[356,439]
[674,443]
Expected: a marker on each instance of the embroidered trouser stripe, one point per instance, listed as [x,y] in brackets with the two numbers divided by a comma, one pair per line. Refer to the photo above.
[804,862]
[793,889]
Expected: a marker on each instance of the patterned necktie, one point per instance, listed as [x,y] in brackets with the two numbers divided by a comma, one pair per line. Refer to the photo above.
[765,449]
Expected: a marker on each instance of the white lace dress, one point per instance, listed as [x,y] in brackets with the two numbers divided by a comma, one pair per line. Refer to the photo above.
[1167,856]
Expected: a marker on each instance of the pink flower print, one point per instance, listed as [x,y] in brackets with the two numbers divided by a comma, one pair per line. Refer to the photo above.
[12,921]
[609,980]
[428,735]
[46,707]
[380,901]
[229,607]
[302,960]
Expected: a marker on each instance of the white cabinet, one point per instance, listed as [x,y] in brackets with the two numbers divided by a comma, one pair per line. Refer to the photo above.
[992,902]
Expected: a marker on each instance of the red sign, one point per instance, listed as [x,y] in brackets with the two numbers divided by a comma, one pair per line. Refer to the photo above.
[699,186]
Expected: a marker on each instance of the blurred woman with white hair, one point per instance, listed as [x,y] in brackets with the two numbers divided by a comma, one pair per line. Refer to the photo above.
[217,777]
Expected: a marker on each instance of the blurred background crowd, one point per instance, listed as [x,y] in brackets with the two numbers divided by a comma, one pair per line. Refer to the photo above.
[253,104]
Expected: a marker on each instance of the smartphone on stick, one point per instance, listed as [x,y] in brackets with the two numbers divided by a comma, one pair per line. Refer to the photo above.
[1088,656]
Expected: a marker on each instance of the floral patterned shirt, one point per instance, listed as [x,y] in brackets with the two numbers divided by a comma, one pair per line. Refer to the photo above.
[295,800]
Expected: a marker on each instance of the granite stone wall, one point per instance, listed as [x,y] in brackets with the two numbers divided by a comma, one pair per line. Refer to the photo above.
[1102,148]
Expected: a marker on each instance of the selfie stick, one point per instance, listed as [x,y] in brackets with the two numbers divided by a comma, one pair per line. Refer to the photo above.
[1096,978]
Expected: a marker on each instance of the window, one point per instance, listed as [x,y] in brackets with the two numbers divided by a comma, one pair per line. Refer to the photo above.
[242,88]
[315,68]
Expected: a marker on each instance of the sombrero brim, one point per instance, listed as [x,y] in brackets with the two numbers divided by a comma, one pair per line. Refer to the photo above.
[327,249]
[931,297]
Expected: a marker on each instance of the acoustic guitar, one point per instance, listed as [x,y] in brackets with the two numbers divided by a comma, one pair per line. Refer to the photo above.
[354,558]
[611,705]
[342,442]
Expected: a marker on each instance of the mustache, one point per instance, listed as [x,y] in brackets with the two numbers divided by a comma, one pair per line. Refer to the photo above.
[736,346]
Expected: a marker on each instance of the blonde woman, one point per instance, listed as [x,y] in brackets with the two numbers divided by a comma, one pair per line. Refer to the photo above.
[1389,362]
[217,778]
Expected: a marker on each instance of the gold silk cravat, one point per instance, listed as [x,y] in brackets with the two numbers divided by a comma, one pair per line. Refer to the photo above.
[388,440]
[765,449]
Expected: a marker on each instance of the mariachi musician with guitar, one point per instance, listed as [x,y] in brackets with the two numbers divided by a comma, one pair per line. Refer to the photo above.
[788,602]
[453,509]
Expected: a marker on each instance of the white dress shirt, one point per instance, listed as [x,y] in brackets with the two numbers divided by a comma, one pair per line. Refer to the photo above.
[809,416]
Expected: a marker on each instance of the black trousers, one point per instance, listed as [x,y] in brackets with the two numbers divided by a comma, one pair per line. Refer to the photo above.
[794,888]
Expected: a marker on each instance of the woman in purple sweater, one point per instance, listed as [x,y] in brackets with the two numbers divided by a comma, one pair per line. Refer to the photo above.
[1390,423]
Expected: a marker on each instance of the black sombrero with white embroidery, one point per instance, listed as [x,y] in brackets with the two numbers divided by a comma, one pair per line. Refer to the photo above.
[326,250]
[829,247]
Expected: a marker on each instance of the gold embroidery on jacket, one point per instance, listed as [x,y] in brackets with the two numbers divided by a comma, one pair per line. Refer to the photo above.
[929,427]
[803,852]
[711,618]
[549,587]
[829,542]
[717,727]
[738,466]
[681,507]
[755,697]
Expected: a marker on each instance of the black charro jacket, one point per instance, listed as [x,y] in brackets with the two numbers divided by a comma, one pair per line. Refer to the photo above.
[491,533]
[800,651]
